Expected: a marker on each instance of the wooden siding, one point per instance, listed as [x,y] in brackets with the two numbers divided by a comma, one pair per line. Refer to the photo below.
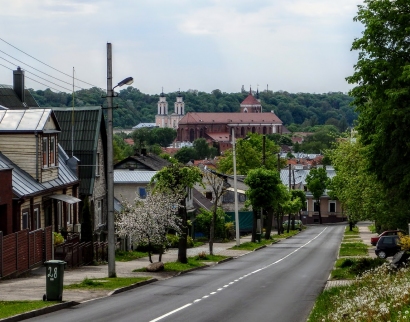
[21,149]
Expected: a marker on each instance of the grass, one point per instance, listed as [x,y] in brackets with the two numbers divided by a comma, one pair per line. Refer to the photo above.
[351,239]
[193,262]
[378,295]
[10,308]
[252,246]
[106,283]
[355,231]
[285,234]
[372,228]
[124,256]
[353,249]
[349,268]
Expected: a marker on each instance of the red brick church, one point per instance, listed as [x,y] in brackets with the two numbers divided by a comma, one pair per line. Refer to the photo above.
[217,127]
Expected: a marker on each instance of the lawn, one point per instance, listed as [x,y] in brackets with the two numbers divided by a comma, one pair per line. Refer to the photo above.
[353,249]
[355,231]
[124,256]
[193,262]
[349,268]
[252,246]
[10,308]
[106,283]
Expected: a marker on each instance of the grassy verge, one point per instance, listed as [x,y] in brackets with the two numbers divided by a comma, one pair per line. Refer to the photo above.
[105,283]
[350,239]
[285,234]
[379,295]
[372,228]
[353,249]
[10,308]
[193,262]
[349,268]
[123,256]
[348,232]
[252,246]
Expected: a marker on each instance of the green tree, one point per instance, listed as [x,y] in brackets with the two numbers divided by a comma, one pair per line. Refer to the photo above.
[263,193]
[202,149]
[317,181]
[382,92]
[179,179]
[162,136]
[185,154]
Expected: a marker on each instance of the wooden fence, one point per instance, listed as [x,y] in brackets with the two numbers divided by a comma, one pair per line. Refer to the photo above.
[23,250]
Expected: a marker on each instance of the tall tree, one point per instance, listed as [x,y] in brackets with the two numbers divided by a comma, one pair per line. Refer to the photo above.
[218,185]
[179,179]
[317,181]
[382,92]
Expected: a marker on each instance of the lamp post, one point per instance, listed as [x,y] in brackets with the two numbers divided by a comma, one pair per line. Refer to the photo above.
[235,188]
[110,168]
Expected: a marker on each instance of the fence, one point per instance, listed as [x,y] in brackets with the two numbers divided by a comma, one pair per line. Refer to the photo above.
[23,250]
[77,253]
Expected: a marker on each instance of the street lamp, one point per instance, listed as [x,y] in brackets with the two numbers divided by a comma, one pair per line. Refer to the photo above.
[110,168]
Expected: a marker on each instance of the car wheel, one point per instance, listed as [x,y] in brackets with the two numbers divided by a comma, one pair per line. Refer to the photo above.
[382,254]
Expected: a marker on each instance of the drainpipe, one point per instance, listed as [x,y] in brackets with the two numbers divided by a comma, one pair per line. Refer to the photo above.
[36,134]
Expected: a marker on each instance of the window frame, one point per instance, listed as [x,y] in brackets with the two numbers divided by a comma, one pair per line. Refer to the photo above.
[36,217]
[25,218]
[45,150]
[52,151]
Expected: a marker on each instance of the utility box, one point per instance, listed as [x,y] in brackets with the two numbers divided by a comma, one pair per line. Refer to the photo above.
[54,280]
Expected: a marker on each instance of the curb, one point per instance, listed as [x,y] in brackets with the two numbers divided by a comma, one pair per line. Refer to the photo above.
[203,267]
[130,287]
[45,310]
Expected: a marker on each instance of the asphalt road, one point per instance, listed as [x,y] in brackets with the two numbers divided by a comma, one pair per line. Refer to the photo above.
[277,283]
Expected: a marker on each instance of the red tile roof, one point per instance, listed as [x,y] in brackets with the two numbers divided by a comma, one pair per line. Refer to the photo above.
[129,141]
[229,118]
[219,137]
[250,100]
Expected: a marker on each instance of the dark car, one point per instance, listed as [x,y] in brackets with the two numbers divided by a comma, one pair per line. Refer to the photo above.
[374,240]
[387,246]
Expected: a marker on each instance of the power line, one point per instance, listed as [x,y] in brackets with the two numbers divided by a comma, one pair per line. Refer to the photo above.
[47,64]
[34,69]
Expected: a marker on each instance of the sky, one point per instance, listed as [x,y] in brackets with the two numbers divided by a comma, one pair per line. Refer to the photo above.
[290,45]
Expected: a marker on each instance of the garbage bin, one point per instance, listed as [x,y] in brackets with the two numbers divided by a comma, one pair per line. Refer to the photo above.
[258,237]
[54,280]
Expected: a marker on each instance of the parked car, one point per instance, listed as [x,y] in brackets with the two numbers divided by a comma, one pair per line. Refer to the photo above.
[298,224]
[387,246]
[374,240]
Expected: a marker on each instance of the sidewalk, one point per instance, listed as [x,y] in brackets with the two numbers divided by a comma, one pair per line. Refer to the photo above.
[33,287]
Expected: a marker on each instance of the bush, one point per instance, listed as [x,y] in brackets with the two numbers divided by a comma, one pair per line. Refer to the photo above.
[347,263]
[58,239]
[365,264]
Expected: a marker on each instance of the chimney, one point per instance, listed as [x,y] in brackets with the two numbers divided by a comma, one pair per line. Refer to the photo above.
[18,83]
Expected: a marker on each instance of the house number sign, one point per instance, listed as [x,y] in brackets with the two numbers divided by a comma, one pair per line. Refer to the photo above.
[52,274]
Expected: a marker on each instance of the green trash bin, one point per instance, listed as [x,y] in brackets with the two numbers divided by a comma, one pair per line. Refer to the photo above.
[54,280]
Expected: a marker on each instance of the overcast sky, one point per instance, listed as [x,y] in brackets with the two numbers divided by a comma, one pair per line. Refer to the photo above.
[291,45]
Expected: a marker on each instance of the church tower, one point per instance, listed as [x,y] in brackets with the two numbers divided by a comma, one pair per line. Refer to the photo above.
[162,104]
[179,106]
[251,104]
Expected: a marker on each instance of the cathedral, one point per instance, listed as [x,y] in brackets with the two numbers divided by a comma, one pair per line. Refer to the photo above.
[217,128]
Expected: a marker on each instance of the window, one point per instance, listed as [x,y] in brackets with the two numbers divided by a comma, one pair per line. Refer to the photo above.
[97,166]
[69,214]
[52,151]
[316,206]
[208,195]
[36,218]
[45,152]
[24,219]
[99,211]
[142,192]
[241,197]
[305,208]
[332,206]
[59,214]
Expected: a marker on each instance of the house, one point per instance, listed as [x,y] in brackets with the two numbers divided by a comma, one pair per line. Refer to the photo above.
[16,97]
[44,183]
[331,210]
[83,135]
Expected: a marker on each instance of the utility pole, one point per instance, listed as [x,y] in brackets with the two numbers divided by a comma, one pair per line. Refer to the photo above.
[235,188]
[110,170]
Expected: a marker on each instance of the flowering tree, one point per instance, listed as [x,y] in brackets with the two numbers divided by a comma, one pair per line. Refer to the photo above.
[148,220]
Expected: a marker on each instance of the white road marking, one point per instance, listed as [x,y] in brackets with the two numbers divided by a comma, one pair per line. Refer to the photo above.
[220,289]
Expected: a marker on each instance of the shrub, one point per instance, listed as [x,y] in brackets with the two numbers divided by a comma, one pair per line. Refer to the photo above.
[364,264]
[347,263]
[58,239]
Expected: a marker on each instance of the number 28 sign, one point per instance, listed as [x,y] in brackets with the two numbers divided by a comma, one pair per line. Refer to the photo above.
[52,273]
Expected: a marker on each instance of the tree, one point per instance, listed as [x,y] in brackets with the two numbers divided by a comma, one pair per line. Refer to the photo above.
[179,179]
[263,193]
[147,221]
[291,207]
[218,184]
[317,181]
[202,149]
[249,155]
[162,136]
[381,95]
[185,154]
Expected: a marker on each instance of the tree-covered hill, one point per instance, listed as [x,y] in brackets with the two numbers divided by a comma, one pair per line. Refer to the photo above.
[135,107]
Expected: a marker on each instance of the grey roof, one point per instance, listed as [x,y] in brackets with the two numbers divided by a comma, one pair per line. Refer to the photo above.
[88,124]
[200,201]
[9,98]
[25,185]
[127,176]
[26,120]
[143,125]
[299,176]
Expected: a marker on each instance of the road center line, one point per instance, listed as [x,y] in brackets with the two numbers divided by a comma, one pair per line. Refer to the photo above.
[226,285]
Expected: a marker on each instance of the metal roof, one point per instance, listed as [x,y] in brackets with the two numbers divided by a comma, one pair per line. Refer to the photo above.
[88,124]
[26,185]
[127,176]
[143,125]
[25,120]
